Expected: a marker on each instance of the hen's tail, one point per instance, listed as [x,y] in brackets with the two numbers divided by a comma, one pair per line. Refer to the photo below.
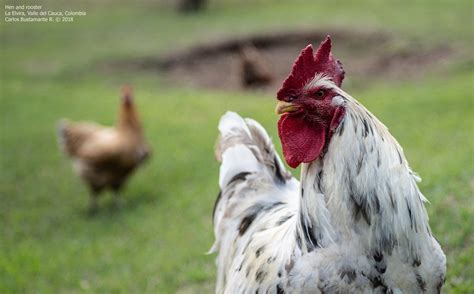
[244,147]
[62,135]
[71,136]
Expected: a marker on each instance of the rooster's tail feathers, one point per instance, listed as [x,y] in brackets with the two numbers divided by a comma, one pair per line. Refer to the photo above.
[245,147]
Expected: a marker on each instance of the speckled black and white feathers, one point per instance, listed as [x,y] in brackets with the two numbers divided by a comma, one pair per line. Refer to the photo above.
[356,222]
[253,214]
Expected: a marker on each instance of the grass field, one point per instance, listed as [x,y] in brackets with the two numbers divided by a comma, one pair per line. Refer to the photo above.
[156,242]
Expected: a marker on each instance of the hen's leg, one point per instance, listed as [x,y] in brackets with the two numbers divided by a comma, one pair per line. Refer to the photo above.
[93,201]
[117,199]
[93,206]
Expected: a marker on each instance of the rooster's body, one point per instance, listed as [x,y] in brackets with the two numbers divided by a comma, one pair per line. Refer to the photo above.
[355,223]
[104,157]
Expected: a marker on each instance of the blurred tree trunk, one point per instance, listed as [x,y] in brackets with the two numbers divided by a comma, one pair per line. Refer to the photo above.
[192,5]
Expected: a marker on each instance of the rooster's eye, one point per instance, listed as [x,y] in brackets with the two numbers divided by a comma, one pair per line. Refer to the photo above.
[319,93]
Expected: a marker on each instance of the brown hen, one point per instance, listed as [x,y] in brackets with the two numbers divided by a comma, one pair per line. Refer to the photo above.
[104,157]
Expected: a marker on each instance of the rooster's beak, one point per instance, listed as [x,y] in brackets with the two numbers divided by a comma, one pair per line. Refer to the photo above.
[283,107]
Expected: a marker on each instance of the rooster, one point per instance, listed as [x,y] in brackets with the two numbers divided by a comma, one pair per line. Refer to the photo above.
[354,223]
[104,157]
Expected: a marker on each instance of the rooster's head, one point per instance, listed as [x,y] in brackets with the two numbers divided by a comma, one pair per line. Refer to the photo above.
[306,103]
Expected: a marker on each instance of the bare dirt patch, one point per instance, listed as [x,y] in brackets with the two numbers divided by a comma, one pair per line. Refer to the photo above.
[366,56]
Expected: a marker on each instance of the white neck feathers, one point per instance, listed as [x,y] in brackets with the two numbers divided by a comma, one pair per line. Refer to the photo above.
[362,188]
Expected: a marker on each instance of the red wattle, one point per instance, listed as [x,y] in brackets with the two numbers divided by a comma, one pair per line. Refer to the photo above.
[301,141]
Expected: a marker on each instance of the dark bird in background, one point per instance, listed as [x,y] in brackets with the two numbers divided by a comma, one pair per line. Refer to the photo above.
[192,6]
[255,68]
[355,222]
[104,157]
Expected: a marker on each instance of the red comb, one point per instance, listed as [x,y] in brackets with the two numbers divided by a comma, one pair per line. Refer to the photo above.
[306,66]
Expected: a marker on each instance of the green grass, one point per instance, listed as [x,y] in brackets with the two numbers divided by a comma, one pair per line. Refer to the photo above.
[156,243]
